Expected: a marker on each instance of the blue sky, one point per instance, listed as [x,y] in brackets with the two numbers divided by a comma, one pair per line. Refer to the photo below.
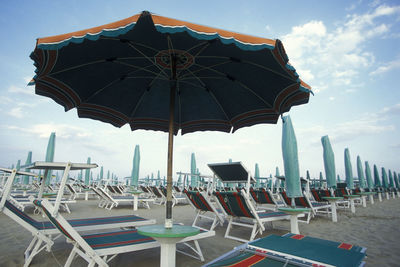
[348,51]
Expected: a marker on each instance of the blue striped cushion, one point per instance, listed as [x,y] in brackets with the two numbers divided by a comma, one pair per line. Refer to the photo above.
[116,239]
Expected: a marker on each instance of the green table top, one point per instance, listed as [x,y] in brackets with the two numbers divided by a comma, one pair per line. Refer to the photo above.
[49,194]
[135,192]
[332,198]
[161,231]
[351,196]
[294,210]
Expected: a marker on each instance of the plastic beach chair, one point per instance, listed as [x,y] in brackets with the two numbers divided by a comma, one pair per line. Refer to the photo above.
[201,204]
[264,197]
[238,206]
[292,250]
[100,248]
[45,232]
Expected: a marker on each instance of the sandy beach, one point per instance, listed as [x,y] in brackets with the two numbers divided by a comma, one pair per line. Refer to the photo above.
[374,227]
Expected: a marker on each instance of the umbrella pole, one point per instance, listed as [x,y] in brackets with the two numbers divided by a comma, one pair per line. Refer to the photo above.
[173,83]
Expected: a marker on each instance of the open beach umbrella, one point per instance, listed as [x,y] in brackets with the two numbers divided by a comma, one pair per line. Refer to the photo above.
[51,147]
[329,162]
[135,167]
[193,171]
[391,182]
[360,172]
[158,73]
[368,175]
[87,173]
[377,180]
[27,162]
[257,176]
[385,182]
[348,169]
[290,159]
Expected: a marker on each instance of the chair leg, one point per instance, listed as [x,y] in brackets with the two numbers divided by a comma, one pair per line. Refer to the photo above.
[36,249]
[70,257]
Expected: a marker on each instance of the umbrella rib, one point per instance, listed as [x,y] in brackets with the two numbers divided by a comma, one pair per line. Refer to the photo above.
[215,98]
[208,68]
[139,68]
[142,96]
[148,58]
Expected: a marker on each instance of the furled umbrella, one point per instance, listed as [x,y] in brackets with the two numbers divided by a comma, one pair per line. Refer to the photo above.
[368,175]
[135,167]
[27,162]
[348,169]
[157,73]
[321,180]
[385,183]
[377,180]
[329,162]
[396,181]
[51,148]
[391,182]
[290,160]
[257,176]
[360,173]
[87,173]
[193,170]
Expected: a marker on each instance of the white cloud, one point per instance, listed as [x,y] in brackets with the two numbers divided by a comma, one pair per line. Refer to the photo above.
[340,54]
[62,130]
[28,90]
[268,28]
[387,67]
[331,98]
[16,112]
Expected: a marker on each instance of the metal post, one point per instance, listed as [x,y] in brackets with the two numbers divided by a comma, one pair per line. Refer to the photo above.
[173,84]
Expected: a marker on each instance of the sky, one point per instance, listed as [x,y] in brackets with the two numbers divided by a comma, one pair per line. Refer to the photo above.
[348,51]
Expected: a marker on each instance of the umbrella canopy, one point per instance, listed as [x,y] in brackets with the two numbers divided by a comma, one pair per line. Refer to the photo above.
[277,181]
[338,178]
[329,162]
[51,147]
[370,182]
[123,73]
[193,171]
[377,180]
[385,182]
[135,167]
[87,173]
[290,159]
[348,169]
[321,179]
[257,176]
[391,182]
[360,173]
[27,162]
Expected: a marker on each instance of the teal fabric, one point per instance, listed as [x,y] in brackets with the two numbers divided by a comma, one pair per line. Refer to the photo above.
[193,179]
[51,147]
[321,180]
[368,175]
[322,251]
[27,162]
[377,180]
[391,182]
[87,173]
[290,159]
[396,180]
[385,182]
[257,176]
[329,162]
[135,167]
[360,172]
[348,169]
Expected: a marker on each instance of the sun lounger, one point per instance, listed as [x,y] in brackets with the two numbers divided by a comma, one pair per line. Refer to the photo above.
[100,248]
[292,250]
[238,206]
[201,204]
[114,201]
[176,198]
[264,198]
[304,202]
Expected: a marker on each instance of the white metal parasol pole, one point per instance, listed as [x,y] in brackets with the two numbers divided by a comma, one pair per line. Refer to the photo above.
[173,84]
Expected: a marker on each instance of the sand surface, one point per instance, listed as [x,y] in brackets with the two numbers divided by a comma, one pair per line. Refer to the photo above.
[375,227]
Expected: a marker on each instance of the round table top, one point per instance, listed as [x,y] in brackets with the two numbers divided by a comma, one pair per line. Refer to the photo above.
[135,192]
[158,230]
[366,193]
[351,196]
[294,210]
[332,198]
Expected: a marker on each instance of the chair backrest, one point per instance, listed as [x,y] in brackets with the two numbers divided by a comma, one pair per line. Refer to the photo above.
[262,196]
[198,200]
[111,189]
[21,215]
[234,204]
[156,192]
[299,201]
[316,195]
[340,192]
[71,188]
